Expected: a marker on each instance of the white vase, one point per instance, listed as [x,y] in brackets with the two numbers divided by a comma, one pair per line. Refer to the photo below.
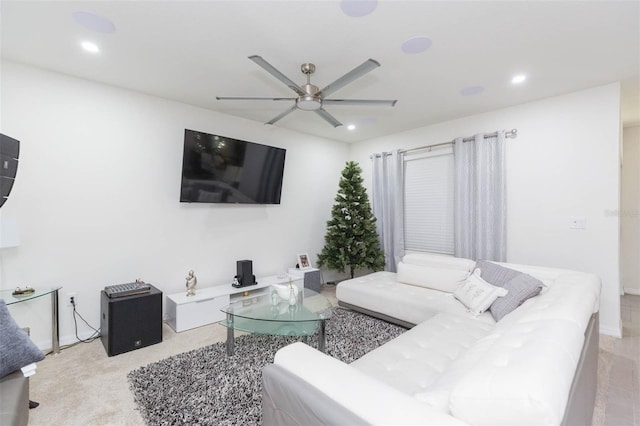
[292,297]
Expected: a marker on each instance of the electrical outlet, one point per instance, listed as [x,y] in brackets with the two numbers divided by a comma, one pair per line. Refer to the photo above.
[73,296]
[577,222]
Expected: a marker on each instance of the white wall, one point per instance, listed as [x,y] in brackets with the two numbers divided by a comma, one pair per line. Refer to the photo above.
[564,163]
[96,197]
[630,211]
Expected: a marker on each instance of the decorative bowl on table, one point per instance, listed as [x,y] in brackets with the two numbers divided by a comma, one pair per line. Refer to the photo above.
[284,290]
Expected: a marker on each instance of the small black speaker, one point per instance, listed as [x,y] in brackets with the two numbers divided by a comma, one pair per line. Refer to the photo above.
[9,153]
[130,322]
[245,273]
[312,280]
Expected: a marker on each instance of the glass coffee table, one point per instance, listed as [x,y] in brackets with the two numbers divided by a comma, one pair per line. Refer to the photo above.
[267,313]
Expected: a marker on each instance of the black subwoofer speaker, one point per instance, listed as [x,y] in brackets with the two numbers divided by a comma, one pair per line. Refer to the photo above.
[130,322]
[245,273]
[9,153]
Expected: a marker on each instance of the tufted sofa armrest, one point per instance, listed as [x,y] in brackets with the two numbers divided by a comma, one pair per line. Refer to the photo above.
[360,397]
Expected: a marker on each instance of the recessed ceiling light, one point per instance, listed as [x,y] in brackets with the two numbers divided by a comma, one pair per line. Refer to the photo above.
[520,78]
[472,90]
[351,127]
[358,8]
[90,47]
[416,45]
[94,22]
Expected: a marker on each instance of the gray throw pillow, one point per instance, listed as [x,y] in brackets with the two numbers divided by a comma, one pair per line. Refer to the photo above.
[16,348]
[495,274]
[521,287]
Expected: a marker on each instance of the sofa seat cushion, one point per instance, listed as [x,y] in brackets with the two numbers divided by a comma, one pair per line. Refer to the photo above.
[363,395]
[538,344]
[381,292]
[524,375]
[413,361]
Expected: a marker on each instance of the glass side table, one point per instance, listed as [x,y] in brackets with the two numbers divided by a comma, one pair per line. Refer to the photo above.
[10,299]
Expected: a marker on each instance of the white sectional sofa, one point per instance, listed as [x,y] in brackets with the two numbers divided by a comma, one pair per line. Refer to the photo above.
[535,365]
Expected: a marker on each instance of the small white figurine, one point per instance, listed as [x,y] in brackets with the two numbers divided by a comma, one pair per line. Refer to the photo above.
[192,281]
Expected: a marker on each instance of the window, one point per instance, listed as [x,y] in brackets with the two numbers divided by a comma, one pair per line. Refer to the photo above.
[428,201]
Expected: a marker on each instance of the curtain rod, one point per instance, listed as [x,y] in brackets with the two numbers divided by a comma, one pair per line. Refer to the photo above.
[513,133]
[508,134]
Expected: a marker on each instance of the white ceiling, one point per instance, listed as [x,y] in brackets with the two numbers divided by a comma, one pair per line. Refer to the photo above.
[194,51]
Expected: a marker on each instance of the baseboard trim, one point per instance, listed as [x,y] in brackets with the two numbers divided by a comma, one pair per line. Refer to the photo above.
[609,331]
[46,345]
[634,291]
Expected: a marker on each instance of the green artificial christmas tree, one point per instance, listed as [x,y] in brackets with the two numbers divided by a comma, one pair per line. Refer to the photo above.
[351,239]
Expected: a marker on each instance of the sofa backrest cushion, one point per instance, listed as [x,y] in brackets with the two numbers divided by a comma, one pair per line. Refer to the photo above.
[439,261]
[520,287]
[436,278]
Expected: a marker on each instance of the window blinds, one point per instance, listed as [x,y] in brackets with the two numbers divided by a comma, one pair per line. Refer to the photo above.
[428,202]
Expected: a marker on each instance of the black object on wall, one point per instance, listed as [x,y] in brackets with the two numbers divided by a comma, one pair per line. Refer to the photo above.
[220,169]
[130,322]
[9,153]
[245,273]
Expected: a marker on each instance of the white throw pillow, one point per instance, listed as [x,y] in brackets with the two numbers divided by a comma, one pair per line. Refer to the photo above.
[477,294]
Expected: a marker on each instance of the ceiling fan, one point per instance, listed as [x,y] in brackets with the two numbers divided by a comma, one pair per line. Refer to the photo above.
[310,98]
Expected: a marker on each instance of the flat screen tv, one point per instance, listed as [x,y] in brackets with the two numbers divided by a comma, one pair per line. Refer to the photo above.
[219,169]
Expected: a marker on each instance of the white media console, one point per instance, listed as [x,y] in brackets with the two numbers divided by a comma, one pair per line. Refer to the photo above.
[187,312]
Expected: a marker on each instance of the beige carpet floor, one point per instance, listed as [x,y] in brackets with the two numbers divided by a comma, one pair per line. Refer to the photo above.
[83,386]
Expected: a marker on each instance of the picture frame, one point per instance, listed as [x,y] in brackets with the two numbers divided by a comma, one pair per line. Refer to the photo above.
[304,262]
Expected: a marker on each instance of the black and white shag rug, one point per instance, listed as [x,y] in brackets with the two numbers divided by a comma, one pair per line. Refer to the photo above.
[206,387]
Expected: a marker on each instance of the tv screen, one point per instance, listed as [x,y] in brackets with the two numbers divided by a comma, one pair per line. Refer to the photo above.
[219,169]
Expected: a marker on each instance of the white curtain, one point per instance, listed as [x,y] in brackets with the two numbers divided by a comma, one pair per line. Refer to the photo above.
[388,194]
[479,203]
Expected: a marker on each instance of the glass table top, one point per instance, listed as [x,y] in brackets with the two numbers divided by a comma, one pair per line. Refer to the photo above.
[268,313]
[9,298]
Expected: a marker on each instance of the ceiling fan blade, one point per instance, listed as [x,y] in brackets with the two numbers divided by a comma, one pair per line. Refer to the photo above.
[357,72]
[277,74]
[372,102]
[251,98]
[328,117]
[281,115]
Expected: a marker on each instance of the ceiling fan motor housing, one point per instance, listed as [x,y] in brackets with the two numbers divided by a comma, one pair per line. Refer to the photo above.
[311,101]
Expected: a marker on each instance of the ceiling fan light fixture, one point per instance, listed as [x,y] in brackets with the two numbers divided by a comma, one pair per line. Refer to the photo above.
[309,103]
